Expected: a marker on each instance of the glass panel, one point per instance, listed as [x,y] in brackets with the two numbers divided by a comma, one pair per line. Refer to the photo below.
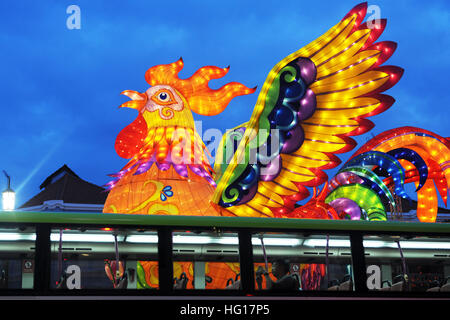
[206,260]
[417,264]
[291,262]
[17,251]
[87,259]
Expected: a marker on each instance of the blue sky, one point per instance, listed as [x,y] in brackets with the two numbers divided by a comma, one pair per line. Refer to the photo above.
[60,88]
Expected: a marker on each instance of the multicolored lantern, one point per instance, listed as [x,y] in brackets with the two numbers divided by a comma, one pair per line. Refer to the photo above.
[310,105]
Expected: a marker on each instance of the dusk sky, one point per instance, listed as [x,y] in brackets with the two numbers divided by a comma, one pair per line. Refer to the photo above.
[61,88]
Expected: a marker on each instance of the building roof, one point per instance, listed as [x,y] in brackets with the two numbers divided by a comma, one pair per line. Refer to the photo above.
[55,175]
[68,187]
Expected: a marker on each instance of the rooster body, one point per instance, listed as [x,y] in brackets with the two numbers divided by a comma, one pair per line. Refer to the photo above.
[310,105]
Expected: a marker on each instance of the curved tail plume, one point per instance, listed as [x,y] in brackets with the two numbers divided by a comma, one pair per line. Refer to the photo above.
[398,157]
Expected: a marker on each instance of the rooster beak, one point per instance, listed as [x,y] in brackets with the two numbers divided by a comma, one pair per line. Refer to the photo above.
[133,104]
[138,102]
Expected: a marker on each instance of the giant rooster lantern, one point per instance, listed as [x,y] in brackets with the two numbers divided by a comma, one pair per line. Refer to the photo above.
[310,105]
[308,108]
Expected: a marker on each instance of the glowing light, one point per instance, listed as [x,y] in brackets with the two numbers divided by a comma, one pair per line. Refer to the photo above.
[8,200]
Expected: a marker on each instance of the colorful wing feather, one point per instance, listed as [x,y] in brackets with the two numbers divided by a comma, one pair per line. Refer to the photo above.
[310,104]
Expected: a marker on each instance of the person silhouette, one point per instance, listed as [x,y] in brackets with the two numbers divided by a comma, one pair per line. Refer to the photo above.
[285,280]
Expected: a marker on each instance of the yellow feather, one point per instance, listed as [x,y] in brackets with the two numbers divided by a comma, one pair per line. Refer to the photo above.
[349,68]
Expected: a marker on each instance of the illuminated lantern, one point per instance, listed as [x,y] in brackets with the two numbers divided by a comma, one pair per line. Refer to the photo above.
[309,106]
[8,195]
[8,199]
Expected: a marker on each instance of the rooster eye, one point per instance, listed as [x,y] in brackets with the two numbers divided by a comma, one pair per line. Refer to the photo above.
[163,96]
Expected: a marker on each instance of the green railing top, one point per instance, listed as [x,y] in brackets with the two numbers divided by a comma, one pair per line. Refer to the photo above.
[110,220]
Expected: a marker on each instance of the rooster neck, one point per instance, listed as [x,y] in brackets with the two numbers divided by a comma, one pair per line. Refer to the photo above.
[182,119]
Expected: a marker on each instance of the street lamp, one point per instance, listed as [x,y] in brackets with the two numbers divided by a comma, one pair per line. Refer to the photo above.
[8,196]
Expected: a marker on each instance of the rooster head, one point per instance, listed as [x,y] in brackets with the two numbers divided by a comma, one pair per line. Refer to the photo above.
[169,102]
